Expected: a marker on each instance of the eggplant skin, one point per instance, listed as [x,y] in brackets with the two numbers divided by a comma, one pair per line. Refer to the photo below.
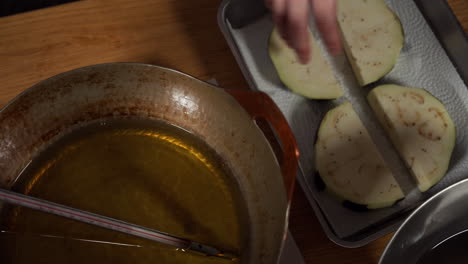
[321,187]
[354,206]
[319,183]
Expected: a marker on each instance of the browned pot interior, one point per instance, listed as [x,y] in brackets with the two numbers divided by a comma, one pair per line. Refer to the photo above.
[54,107]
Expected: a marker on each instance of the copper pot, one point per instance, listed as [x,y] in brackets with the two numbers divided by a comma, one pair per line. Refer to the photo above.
[222,118]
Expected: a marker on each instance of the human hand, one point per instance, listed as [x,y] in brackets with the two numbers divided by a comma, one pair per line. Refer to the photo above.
[292,20]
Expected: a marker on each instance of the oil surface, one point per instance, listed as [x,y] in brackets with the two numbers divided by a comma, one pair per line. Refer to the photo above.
[453,250]
[148,173]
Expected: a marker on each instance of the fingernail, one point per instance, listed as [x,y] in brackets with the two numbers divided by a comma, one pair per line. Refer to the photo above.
[304,58]
[338,50]
[304,55]
[335,50]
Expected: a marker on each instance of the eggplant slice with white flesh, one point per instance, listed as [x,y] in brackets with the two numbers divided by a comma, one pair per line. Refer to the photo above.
[372,37]
[313,80]
[350,164]
[420,128]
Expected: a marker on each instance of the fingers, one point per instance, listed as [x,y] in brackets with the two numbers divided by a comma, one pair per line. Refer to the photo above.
[325,19]
[292,20]
[279,10]
[298,28]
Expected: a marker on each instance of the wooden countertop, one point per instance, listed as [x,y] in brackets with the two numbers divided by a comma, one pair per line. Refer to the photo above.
[179,34]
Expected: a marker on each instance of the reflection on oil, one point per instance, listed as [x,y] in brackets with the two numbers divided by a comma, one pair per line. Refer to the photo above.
[147,173]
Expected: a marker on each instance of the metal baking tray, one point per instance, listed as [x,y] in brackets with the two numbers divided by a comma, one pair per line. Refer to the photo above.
[434,59]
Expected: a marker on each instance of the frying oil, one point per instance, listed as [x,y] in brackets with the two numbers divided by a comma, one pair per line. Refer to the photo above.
[148,173]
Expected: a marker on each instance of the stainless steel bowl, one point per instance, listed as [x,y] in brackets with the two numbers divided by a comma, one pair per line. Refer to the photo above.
[440,217]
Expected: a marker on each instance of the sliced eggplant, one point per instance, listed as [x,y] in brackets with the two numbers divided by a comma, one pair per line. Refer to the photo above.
[314,80]
[349,162]
[420,128]
[372,37]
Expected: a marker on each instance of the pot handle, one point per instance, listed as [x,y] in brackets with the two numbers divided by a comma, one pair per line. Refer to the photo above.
[260,106]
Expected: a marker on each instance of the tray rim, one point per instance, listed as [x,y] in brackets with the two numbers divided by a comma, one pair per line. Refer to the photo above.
[454,41]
